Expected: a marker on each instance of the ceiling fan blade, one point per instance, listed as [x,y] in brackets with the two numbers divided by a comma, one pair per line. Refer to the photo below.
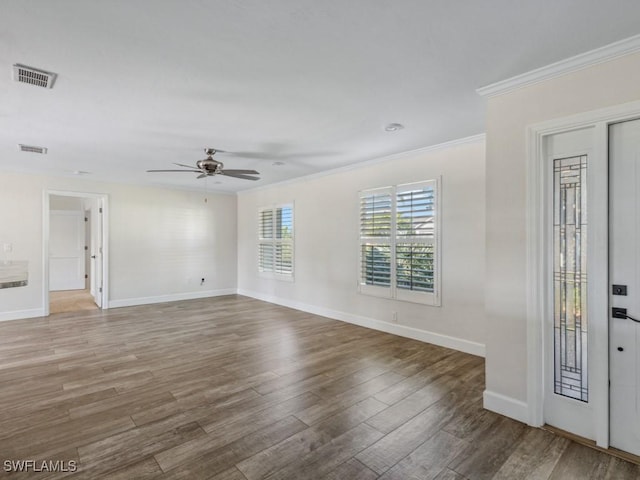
[183,165]
[190,171]
[237,175]
[241,172]
[202,175]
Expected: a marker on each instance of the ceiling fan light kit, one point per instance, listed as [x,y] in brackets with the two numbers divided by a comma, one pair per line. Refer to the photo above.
[210,167]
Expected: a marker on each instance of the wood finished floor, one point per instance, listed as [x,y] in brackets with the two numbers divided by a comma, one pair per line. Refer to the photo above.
[238,389]
[71,301]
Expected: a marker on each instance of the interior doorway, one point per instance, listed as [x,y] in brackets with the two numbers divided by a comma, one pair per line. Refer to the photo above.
[75,251]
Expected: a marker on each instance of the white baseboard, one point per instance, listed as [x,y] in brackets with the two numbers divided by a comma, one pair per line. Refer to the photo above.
[400,330]
[507,406]
[20,314]
[174,297]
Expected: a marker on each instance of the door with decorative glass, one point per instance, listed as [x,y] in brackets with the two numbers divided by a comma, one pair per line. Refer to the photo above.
[572,189]
[592,387]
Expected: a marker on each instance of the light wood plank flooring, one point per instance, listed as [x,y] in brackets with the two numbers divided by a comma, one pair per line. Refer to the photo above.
[71,301]
[234,388]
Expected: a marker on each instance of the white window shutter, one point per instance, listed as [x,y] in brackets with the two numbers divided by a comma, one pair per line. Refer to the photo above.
[275,243]
[399,256]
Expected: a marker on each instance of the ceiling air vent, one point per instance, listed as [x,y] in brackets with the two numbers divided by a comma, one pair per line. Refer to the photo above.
[32,149]
[33,76]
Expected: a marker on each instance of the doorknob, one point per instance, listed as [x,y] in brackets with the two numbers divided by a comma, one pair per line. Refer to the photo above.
[93,256]
[622,313]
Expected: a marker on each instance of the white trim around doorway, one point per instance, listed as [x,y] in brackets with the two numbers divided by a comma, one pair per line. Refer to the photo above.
[537,260]
[104,204]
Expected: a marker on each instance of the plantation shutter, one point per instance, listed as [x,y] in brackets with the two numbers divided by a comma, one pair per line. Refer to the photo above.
[376,226]
[275,244]
[283,247]
[265,246]
[415,237]
[399,255]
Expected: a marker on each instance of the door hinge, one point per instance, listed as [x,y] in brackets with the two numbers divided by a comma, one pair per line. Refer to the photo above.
[86,219]
[100,209]
[86,276]
[86,248]
[100,289]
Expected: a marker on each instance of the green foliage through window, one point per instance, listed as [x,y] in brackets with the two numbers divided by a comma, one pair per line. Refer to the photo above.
[398,237]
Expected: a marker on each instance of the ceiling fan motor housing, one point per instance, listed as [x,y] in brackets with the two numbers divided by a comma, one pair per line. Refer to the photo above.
[210,165]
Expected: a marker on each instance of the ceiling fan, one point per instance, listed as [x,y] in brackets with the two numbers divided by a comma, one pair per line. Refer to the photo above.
[209,167]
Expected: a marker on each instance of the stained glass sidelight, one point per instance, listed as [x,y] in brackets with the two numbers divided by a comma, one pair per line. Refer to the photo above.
[570,277]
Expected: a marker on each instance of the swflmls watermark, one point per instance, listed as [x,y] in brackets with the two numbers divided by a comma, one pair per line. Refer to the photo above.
[61,466]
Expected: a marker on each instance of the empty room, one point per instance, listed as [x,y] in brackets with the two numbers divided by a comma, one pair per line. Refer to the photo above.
[246,240]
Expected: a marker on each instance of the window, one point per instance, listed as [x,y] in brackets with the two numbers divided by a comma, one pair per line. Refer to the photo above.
[399,255]
[275,245]
[570,213]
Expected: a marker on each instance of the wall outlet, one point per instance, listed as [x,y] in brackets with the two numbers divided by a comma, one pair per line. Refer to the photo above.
[8,247]
[394,317]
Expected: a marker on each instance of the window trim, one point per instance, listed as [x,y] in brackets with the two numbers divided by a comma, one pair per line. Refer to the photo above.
[393,292]
[272,274]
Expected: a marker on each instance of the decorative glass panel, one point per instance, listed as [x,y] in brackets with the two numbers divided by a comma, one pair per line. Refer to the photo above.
[570,277]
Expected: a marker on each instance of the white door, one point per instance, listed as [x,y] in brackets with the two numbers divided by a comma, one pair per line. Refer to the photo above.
[576,282]
[624,271]
[66,250]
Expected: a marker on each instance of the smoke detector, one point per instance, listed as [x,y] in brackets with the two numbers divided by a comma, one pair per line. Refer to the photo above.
[32,149]
[33,76]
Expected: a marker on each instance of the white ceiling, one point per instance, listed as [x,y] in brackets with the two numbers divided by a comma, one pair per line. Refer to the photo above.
[145,83]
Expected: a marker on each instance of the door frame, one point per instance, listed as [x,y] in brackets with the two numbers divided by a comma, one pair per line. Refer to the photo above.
[538,256]
[103,202]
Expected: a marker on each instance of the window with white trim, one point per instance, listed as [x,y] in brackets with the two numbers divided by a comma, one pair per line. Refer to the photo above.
[275,242]
[399,251]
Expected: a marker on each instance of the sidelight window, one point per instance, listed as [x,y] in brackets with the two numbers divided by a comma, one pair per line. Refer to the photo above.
[570,277]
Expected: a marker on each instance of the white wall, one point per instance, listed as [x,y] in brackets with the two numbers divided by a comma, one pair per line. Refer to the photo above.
[59,202]
[162,242]
[326,246]
[607,84]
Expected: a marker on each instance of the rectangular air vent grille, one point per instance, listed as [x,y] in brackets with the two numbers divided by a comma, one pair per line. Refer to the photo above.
[33,76]
[32,149]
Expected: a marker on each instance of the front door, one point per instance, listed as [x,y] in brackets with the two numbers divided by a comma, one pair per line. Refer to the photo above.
[574,189]
[624,276]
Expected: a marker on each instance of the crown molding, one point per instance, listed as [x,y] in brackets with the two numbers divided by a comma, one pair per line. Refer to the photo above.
[568,65]
[481,137]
